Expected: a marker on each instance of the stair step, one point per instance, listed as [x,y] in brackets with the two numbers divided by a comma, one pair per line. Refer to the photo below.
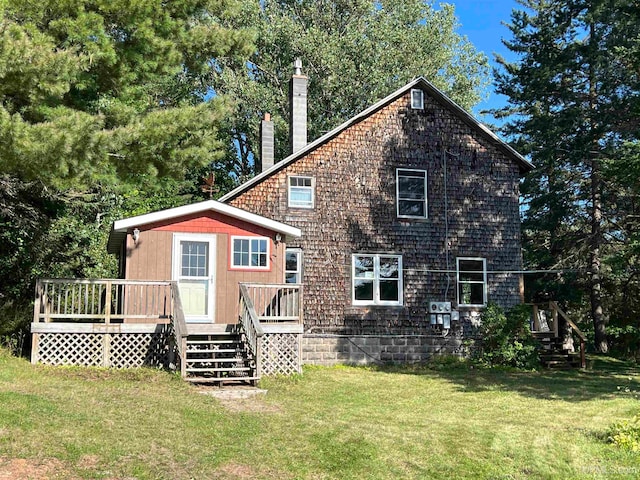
[221,379]
[228,369]
[213,342]
[215,360]
[215,350]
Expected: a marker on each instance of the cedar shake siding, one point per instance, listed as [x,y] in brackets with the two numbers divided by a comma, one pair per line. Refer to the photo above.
[355,212]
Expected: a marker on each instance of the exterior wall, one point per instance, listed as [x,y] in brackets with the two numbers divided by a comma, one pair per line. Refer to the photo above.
[151,257]
[328,349]
[355,212]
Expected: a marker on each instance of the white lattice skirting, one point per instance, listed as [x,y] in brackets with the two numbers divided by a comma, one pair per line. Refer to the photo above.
[118,350]
[281,354]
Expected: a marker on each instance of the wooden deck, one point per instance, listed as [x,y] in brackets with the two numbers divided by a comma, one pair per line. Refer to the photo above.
[130,323]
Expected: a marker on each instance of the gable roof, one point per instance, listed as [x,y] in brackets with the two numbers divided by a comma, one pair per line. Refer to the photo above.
[421,82]
[121,227]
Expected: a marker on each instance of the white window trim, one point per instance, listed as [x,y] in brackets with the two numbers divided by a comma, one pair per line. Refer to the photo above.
[298,252]
[376,280]
[312,188]
[250,267]
[419,105]
[426,203]
[484,281]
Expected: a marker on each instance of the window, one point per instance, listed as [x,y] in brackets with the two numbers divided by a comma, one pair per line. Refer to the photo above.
[377,279]
[293,265]
[194,259]
[250,252]
[472,282]
[301,192]
[417,99]
[411,186]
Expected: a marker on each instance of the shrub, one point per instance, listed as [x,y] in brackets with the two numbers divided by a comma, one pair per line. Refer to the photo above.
[626,434]
[506,337]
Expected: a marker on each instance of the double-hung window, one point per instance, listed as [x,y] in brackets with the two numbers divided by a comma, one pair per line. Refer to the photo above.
[250,253]
[301,192]
[411,193]
[293,265]
[472,282]
[376,279]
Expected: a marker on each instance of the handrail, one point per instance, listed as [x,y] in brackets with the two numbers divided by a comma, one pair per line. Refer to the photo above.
[250,324]
[179,325]
[101,300]
[555,310]
[277,303]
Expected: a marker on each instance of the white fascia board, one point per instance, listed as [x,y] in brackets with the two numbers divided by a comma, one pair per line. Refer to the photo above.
[208,205]
[365,113]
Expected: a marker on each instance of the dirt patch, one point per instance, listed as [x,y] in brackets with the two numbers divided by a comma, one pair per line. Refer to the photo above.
[235,470]
[22,469]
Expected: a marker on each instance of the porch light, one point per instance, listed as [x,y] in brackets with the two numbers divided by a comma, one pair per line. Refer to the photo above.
[136,235]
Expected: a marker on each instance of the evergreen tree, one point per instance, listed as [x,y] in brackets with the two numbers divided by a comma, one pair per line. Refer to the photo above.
[573,103]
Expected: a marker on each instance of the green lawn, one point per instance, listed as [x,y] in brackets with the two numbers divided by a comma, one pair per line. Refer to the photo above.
[329,423]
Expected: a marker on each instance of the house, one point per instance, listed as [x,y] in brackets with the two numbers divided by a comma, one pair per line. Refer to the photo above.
[409,214]
[202,287]
[380,241]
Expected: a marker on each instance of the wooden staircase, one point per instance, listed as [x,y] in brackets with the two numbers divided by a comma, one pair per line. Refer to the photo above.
[552,353]
[219,358]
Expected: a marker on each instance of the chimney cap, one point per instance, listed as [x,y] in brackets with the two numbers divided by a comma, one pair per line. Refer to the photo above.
[267,117]
[297,66]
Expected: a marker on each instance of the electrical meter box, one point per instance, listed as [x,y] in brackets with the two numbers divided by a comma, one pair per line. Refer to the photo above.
[440,314]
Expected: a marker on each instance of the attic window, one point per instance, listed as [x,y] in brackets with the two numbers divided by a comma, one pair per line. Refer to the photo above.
[417,99]
[301,192]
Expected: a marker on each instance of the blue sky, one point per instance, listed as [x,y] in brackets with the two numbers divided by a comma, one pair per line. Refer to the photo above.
[481,22]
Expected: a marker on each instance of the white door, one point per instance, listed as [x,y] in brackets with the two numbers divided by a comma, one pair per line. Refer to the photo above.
[194,269]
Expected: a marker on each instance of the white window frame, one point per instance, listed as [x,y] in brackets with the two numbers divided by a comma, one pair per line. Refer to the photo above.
[250,267]
[398,199]
[298,271]
[417,102]
[484,281]
[311,189]
[376,280]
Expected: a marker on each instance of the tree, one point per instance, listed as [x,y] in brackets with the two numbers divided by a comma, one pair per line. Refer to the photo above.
[355,52]
[104,112]
[93,90]
[572,99]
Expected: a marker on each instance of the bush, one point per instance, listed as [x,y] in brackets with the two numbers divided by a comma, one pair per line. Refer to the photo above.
[626,434]
[506,337]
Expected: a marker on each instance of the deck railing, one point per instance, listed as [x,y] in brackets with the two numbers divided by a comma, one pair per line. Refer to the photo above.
[553,324]
[250,326]
[102,301]
[276,303]
[179,325]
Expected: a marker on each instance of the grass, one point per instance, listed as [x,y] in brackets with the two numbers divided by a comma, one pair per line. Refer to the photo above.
[338,422]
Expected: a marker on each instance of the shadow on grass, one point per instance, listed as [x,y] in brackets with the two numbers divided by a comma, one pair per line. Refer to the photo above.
[604,378]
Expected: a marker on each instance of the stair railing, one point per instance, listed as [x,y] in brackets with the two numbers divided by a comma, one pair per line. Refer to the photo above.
[250,326]
[179,329]
[555,309]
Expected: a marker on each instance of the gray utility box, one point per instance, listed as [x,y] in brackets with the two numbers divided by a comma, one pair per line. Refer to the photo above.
[441,314]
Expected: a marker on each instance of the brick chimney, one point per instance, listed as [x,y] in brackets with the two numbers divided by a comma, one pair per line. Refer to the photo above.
[298,108]
[267,143]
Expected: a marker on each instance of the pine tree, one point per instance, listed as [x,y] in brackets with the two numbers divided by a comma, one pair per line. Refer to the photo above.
[572,99]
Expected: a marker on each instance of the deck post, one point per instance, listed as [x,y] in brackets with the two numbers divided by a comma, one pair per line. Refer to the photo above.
[106,349]
[554,314]
[35,345]
[107,301]
[183,357]
[536,318]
